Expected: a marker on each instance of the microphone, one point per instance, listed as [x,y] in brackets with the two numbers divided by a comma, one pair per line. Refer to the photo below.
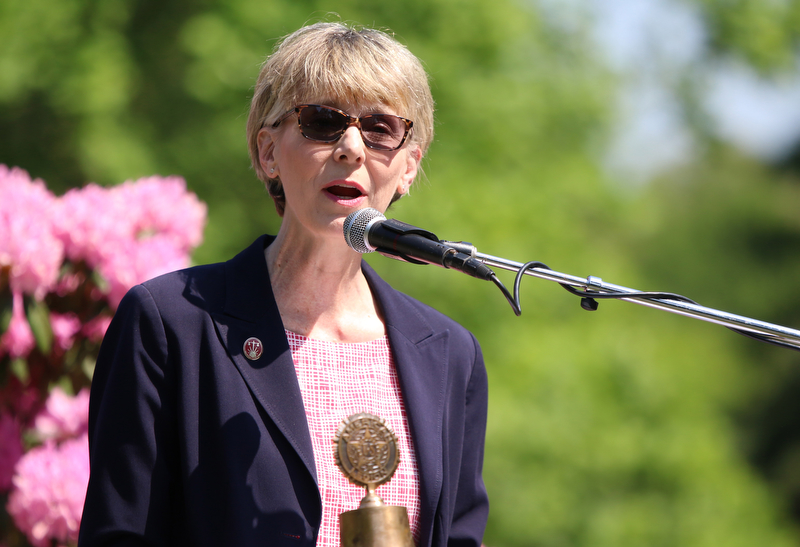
[367,230]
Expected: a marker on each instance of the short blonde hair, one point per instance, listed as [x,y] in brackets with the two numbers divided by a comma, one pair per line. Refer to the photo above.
[336,62]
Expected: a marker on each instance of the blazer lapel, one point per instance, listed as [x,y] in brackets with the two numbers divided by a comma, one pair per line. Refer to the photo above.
[420,356]
[250,311]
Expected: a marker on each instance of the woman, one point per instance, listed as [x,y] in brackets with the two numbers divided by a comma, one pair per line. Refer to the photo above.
[219,389]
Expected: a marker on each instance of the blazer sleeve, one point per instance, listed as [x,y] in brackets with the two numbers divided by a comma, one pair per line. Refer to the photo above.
[471,507]
[131,436]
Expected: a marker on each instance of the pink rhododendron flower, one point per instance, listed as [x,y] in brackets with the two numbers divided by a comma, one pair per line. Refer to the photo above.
[27,242]
[124,235]
[10,449]
[132,232]
[163,206]
[18,340]
[49,488]
[65,326]
[96,328]
[92,219]
[63,416]
[137,261]
[68,283]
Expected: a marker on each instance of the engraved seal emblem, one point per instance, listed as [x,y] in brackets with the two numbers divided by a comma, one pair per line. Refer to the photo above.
[366,450]
[253,348]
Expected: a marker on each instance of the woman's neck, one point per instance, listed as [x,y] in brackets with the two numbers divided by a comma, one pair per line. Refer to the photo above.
[321,292]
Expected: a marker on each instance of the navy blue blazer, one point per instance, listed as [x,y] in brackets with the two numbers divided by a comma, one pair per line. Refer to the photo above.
[193,444]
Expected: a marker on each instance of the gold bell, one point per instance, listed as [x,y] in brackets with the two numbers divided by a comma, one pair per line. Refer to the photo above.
[366,452]
[374,524]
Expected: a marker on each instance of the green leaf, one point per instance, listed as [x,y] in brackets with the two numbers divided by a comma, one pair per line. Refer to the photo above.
[6,310]
[19,368]
[88,367]
[39,319]
[65,384]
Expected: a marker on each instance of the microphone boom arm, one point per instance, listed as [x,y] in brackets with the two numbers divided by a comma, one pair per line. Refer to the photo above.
[595,287]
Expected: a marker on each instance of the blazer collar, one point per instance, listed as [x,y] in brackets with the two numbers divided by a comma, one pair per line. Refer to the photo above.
[248,293]
[250,311]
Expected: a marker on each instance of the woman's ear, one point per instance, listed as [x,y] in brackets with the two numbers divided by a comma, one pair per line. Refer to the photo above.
[413,159]
[266,153]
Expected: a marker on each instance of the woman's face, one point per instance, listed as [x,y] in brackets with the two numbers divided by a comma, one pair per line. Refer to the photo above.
[325,182]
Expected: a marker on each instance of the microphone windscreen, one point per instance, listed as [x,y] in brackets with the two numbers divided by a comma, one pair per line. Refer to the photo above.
[356,227]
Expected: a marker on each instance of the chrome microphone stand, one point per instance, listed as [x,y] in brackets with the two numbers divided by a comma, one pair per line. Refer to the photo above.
[594,287]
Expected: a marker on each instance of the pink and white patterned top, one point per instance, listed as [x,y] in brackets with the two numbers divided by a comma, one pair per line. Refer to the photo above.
[338,380]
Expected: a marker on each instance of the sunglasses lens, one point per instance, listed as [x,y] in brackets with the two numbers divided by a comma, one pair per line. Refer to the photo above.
[325,124]
[322,124]
[383,131]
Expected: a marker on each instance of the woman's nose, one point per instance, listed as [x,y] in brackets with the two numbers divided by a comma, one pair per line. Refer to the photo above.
[350,146]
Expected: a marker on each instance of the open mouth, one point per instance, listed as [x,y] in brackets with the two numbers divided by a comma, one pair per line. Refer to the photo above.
[345,192]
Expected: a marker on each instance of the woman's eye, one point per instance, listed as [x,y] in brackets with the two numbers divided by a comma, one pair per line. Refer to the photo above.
[378,126]
[325,123]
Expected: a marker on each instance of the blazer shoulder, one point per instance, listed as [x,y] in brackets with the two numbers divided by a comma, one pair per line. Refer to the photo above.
[235,287]
[199,286]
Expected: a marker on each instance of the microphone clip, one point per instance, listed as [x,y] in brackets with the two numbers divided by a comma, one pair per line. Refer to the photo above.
[401,228]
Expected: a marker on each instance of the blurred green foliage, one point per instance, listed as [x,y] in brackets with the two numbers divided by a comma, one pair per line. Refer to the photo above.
[621,427]
[764,33]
